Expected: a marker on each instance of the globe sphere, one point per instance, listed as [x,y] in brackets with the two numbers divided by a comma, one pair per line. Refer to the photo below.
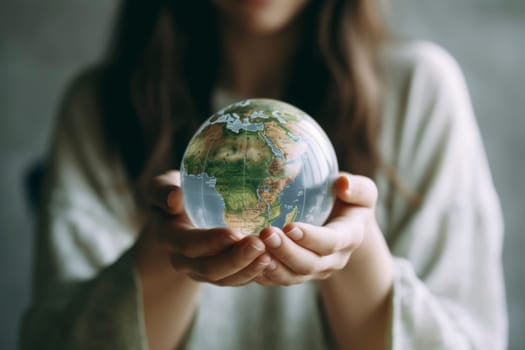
[258,163]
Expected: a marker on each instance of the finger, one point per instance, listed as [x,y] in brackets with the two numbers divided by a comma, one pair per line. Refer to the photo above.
[340,233]
[298,259]
[248,274]
[264,281]
[356,190]
[191,242]
[281,275]
[217,267]
[165,194]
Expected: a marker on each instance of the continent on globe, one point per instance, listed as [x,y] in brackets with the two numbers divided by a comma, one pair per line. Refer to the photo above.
[257,163]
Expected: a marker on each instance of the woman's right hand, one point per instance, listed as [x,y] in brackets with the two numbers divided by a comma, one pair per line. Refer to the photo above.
[219,256]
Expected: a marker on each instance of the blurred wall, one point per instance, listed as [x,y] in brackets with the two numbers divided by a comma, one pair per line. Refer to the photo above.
[43,43]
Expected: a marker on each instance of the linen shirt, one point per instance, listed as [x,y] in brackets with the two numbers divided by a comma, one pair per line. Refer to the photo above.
[448,288]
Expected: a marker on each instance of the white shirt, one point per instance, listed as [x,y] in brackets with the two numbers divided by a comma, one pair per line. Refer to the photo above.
[448,287]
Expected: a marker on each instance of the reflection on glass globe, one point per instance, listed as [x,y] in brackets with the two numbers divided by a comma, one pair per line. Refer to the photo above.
[257,163]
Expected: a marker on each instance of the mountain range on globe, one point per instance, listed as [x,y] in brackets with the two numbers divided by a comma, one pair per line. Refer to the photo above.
[257,163]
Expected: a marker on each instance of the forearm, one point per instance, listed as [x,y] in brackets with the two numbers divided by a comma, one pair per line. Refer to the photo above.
[168,299]
[357,299]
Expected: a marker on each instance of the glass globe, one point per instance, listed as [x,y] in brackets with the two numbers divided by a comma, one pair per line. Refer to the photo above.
[258,163]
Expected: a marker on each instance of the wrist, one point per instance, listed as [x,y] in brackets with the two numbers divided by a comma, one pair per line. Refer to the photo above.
[369,269]
[359,296]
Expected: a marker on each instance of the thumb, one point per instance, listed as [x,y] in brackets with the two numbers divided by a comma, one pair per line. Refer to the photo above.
[356,190]
[164,193]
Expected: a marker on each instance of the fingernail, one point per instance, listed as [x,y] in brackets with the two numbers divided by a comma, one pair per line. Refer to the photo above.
[348,186]
[271,266]
[231,236]
[170,199]
[295,234]
[254,249]
[264,260]
[237,235]
[273,240]
[229,239]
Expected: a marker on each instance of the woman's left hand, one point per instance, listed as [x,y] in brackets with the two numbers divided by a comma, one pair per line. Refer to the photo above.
[303,252]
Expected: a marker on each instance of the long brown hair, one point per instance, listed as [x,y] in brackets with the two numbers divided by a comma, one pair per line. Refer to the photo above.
[161,70]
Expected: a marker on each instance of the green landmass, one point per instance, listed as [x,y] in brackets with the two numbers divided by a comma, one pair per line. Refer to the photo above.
[240,162]
[290,217]
[238,198]
[275,210]
[238,177]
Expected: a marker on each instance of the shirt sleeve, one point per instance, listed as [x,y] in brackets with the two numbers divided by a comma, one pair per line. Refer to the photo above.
[448,287]
[85,293]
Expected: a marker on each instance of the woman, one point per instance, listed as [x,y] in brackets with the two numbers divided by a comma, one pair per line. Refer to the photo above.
[120,266]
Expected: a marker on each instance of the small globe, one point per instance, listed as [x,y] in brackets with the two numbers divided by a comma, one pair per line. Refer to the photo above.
[258,163]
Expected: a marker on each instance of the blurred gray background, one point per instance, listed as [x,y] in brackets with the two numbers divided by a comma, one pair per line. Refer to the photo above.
[44,43]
